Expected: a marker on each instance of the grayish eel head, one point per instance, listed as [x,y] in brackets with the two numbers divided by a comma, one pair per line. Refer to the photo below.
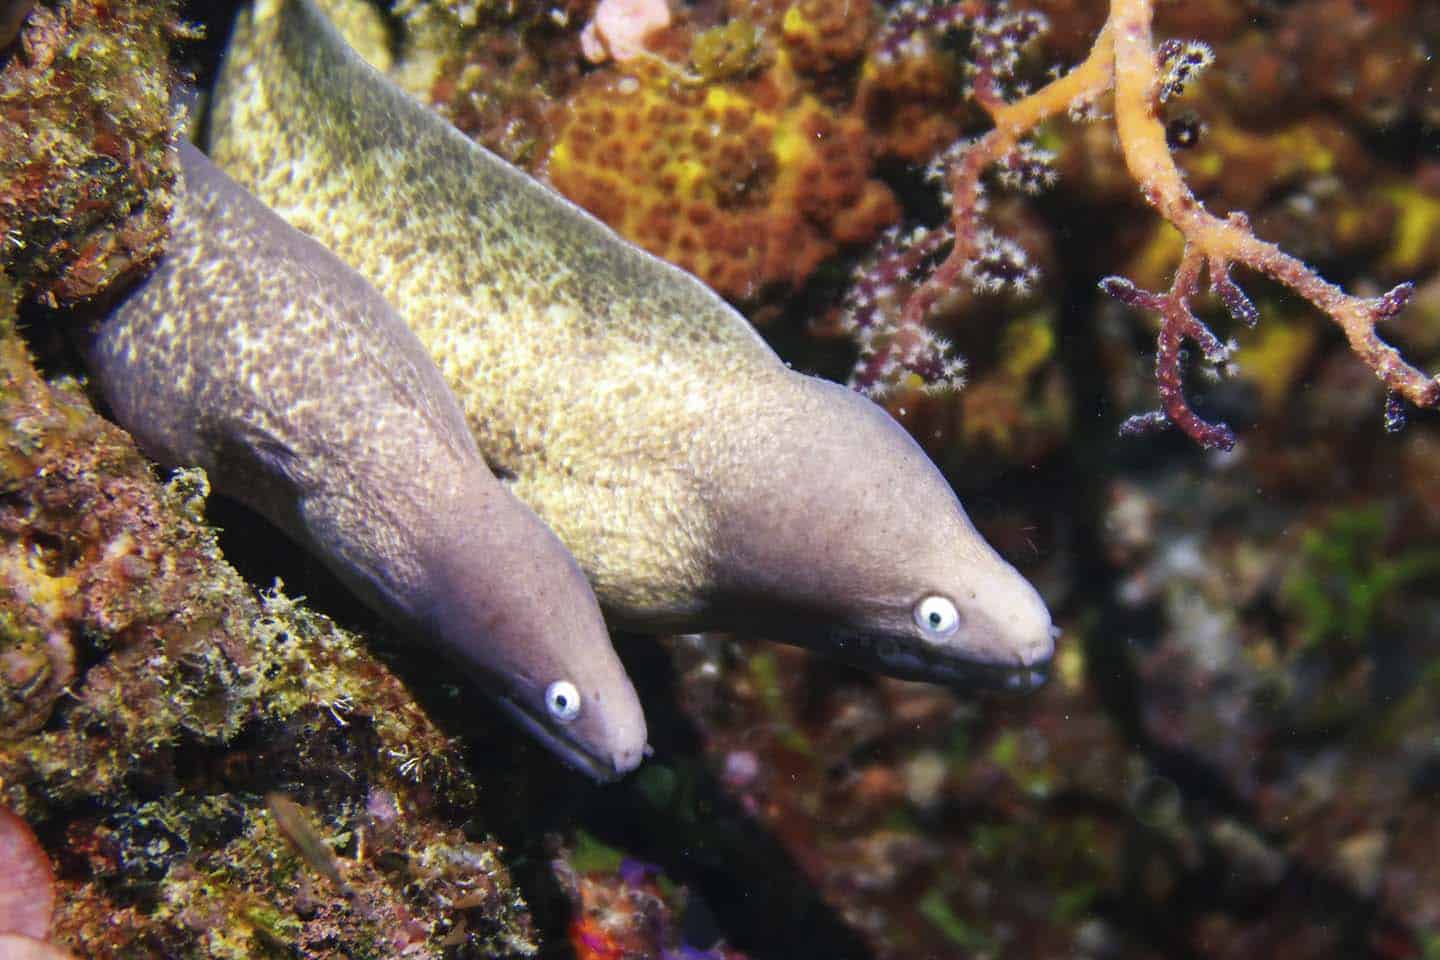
[504,594]
[837,532]
[255,353]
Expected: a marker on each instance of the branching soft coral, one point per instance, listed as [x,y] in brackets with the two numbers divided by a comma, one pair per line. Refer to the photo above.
[1125,61]
[900,350]
[1216,245]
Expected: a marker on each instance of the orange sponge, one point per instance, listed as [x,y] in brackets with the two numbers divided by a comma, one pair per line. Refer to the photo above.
[749,184]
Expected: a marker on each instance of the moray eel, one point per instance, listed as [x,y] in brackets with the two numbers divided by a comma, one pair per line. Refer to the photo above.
[252,351]
[699,482]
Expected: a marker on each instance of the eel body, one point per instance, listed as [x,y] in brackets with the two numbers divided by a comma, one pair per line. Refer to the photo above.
[699,482]
[254,352]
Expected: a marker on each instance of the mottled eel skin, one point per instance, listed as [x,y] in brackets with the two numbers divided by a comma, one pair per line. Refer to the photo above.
[253,352]
[698,482]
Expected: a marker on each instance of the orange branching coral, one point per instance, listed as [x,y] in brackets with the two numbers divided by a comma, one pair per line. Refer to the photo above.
[747,184]
[1125,60]
[1215,245]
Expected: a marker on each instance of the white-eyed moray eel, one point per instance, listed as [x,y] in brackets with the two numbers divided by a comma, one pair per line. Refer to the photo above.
[254,352]
[699,482]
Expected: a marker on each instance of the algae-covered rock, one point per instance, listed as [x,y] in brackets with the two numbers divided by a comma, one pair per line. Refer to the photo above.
[169,698]
[149,697]
[86,158]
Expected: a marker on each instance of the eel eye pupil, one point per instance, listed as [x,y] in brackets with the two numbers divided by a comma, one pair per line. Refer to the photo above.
[563,700]
[937,617]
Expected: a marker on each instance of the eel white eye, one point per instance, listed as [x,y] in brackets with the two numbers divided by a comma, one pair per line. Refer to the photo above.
[563,700]
[937,617]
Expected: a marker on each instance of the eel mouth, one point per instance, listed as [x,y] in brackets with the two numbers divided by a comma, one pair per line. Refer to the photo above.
[600,768]
[902,656]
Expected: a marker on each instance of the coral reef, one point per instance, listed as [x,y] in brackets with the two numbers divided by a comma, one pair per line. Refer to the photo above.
[1237,755]
[963,86]
[149,699]
[1143,76]
[498,71]
[914,813]
[1244,789]
[625,908]
[737,149]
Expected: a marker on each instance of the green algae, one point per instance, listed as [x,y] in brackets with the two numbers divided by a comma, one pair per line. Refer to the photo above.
[1345,574]
[591,855]
[934,907]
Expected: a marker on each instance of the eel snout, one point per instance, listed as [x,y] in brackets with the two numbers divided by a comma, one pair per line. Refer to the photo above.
[534,636]
[841,534]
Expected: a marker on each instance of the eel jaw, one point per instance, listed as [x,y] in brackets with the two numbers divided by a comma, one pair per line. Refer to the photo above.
[599,768]
[904,656]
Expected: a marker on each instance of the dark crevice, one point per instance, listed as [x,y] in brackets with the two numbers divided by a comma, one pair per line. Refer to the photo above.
[752,891]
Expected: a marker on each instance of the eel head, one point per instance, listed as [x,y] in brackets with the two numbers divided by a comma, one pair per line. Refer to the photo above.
[512,607]
[840,534]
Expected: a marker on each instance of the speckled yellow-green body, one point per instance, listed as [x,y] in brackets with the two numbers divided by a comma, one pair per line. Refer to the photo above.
[697,480]
[560,351]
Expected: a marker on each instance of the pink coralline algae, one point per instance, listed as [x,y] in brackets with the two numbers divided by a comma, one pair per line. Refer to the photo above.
[620,28]
[27,892]
[15,947]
